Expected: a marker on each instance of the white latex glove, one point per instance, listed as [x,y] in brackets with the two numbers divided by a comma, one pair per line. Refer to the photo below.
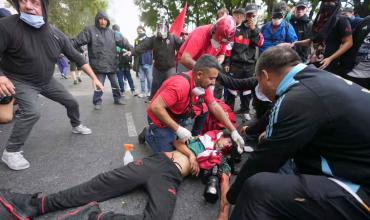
[183,133]
[239,140]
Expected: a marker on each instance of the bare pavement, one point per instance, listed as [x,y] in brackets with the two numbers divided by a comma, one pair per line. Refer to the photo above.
[60,159]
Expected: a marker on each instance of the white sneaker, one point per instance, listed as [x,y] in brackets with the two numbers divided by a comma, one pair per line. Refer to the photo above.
[141,95]
[148,94]
[15,160]
[247,117]
[81,129]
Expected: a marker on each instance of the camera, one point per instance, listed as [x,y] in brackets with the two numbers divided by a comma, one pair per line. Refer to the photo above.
[212,190]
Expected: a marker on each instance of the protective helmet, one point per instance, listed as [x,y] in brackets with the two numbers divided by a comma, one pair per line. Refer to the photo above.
[162,28]
[224,30]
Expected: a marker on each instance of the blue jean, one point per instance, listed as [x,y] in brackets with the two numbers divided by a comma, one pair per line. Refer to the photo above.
[145,72]
[160,139]
[97,100]
[125,73]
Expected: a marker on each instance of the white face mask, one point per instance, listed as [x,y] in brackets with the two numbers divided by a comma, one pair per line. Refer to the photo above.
[215,44]
[197,91]
[277,21]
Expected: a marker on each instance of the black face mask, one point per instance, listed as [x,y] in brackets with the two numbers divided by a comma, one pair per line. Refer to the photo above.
[141,35]
[327,8]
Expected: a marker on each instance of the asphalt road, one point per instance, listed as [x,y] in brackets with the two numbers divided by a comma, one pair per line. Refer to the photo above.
[60,159]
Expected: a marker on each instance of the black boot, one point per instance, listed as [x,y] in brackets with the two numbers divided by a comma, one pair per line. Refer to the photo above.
[87,212]
[21,206]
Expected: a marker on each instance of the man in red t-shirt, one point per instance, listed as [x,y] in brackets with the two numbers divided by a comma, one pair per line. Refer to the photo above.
[208,39]
[171,104]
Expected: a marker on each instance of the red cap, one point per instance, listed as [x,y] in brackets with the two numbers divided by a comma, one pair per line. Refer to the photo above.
[224,30]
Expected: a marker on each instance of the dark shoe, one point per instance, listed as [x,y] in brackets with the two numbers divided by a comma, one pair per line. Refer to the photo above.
[79,79]
[97,106]
[75,82]
[21,206]
[119,102]
[83,213]
[141,137]
[241,111]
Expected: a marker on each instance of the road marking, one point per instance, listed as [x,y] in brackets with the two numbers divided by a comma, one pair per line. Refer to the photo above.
[131,125]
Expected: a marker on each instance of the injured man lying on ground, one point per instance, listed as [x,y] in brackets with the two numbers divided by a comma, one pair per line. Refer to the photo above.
[160,175]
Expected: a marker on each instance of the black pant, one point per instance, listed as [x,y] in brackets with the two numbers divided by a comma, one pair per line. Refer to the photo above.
[159,77]
[240,72]
[277,196]
[157,174]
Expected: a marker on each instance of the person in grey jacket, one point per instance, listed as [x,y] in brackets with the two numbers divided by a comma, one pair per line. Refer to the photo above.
[101,44]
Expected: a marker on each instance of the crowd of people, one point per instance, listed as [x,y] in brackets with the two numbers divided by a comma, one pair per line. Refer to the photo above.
[308,81]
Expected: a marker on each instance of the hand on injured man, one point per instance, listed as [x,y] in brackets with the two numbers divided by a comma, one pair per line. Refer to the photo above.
[183,134]
[239,140]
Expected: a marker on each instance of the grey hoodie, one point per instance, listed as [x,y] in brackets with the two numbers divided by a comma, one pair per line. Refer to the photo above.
[101,44]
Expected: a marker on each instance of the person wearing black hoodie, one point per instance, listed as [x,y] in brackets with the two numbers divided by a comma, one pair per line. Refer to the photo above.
[29,48]
[331,37]
[302,26]
[101,44]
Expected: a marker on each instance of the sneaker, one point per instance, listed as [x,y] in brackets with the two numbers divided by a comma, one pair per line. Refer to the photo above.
[97,106]
[241,111]
[141,95]
[15,160]
[134,93]
[247,117]
[21,206]
[83,212]
[141,137]
[119,102]
[75,82]
[81,129]
[122,93]
[148,94]
[79,79]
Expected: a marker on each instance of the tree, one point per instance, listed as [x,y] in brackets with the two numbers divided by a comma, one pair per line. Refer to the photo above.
[71,16]
[199,11]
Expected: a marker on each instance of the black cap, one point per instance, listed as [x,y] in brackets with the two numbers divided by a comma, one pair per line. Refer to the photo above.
[280,7]
[302,3]
[251,8]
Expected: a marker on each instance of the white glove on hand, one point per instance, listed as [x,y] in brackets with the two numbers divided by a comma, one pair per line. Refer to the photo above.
[239,140]
[183,133]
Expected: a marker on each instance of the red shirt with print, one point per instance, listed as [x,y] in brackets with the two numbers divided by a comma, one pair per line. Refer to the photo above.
[199,43]
[175,93]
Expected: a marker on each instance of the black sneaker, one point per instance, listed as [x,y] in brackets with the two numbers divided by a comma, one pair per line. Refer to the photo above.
[141,137]
[79,79]
[86,212]
[75,82]
[119,102]
[241,111]
[21,206]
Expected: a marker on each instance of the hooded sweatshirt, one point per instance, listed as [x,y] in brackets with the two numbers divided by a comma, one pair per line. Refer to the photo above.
[29,54]
[101,44]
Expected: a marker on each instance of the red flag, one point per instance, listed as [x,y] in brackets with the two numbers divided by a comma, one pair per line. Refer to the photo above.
[178,24]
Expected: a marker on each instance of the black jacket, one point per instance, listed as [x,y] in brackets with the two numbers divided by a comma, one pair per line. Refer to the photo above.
[29,54]
[318,118]
[303,28]
[348,60]
[101,45]
[244,47]
[164,50]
